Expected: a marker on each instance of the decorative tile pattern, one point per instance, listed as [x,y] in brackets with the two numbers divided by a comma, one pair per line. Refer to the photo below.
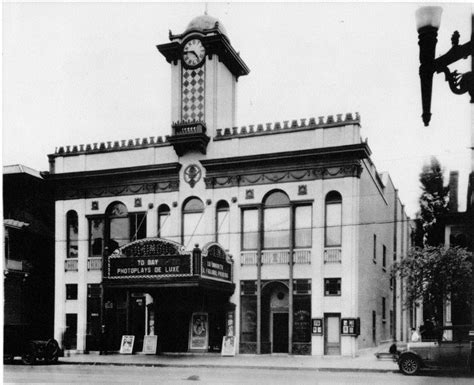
[192,94]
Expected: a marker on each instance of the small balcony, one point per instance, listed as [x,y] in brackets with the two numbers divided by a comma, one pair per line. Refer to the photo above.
[332,255]
[276,257]
[94,263]
[189,136]
[71,264]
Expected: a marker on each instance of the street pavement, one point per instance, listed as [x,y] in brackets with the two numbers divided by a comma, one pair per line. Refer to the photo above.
[366,361]
[139,375]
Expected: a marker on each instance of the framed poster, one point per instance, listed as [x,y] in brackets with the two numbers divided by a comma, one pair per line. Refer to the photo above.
[228,346]
[350,326]
[126,347]
[199,333]
[149,344]
[317,326]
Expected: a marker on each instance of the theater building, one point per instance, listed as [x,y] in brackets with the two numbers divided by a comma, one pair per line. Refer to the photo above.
[279,234]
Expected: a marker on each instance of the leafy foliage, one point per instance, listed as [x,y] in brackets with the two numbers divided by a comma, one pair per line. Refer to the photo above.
[433,273]
[433,204]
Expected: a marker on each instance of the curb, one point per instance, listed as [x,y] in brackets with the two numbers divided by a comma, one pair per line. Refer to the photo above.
[260,367]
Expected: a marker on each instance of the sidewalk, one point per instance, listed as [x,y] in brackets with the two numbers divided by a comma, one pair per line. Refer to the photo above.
[365,362]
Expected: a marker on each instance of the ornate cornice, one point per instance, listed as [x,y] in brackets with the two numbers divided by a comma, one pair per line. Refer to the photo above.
[117,182]
[294,166]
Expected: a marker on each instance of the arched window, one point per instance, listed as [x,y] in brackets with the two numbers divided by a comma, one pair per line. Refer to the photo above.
[164,226]
[118,225]
[72,234]
[333,225]
[276,221]
[223,224]
[193,210]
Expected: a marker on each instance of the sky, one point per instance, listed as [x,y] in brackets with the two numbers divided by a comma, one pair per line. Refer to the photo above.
[76,73]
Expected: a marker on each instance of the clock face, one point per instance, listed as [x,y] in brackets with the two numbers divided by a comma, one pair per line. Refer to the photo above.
[193,52]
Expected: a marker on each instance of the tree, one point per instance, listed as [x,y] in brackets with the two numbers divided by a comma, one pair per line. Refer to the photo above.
[433,204]
[433,274]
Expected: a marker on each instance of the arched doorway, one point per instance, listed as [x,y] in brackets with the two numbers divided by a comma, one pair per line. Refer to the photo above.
[275,322]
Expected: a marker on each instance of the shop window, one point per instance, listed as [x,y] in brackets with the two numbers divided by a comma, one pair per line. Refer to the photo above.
[164,224]
[333,220]
[71,291]
[249,229]
[193,211]
[223,224]
[276,221]
[303,223]
[248,314]
[72,234]
[96,237]
[332,286]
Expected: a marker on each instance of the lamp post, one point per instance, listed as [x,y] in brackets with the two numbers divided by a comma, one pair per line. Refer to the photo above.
[428,20]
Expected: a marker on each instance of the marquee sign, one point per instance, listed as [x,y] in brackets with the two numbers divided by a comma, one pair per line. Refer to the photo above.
[215,263]
[149,259]
[148,267]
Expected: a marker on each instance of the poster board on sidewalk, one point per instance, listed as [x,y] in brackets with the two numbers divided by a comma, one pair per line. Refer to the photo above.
[149,344]
[126,347]
[228,346]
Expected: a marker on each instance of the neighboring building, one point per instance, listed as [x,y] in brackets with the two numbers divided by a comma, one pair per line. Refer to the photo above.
[28,209]
[458,226]
[295,229]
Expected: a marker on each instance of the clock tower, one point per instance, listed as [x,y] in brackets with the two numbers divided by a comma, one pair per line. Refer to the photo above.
[204,73]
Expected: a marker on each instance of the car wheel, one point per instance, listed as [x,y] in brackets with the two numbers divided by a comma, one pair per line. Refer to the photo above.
[409,364]
[29,357]
[52,351]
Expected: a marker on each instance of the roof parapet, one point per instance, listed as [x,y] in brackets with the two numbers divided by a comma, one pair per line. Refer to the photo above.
[287,126]
[117,145]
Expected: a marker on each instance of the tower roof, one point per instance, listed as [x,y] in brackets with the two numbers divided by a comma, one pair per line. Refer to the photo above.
[203,22]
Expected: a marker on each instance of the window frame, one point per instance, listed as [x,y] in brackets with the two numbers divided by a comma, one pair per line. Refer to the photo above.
[160,212]
[338,281]
[68,235]
[293,228]
[91,218]
[71,291]
[192,211]
[331,201]
[265,206]
[374,256]
[243,208]
[222,209]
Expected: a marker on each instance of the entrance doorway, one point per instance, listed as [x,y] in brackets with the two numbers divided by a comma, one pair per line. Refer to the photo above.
[280,332]
[332,335]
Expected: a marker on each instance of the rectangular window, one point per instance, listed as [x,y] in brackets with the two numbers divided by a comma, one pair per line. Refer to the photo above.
[137,226]
[383,309]
[223,228]
[303,223]
[276,223]
[96,237]
[164,224]
[250,229]
[384,257]
[191,221]
[120,231]
[71,291]
[332,286]
[374,257]
[333,224]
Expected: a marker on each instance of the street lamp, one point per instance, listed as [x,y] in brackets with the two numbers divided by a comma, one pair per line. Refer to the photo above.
[428,20]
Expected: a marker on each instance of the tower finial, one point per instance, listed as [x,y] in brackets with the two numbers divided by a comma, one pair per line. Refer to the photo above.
[205,9]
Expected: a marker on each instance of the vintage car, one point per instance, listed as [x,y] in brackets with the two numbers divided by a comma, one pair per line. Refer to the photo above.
[434,354]
[17,343]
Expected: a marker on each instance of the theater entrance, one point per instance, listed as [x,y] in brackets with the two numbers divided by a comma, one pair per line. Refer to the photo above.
[154,288]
